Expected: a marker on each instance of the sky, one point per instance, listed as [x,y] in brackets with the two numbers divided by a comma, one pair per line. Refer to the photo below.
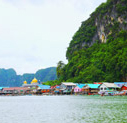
[35,34]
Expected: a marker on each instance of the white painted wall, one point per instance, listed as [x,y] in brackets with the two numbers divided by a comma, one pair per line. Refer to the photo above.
[102,88]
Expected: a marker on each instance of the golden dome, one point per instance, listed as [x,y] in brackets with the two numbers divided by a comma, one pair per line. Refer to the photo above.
[25,82]
[34,81]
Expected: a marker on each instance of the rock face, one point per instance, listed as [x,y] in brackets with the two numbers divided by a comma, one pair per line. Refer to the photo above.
[108,18]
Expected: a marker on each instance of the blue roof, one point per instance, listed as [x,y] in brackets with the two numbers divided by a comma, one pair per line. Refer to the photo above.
[80,85]
[58,87]
[93,85]
[44,86]
[120,84]
[3,87]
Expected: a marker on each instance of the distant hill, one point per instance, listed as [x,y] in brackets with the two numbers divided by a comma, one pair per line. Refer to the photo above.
[8,77]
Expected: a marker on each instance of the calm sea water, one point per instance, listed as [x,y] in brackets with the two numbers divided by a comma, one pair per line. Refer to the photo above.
[63,109]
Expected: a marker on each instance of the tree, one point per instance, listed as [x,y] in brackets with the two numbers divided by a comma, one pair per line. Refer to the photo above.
[60,65]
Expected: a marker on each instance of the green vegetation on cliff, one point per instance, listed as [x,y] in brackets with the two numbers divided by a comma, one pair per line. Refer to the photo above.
[100,62]
[98,50]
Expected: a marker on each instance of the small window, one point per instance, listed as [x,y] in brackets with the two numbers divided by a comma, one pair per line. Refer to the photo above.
[104,88]
[101,88]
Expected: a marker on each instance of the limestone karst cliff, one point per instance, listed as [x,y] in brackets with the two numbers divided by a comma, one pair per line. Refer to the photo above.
[98,50]
[108,18]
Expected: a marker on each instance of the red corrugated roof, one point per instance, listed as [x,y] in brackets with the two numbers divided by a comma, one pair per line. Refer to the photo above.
[52,87]
[16,88]
[97,82]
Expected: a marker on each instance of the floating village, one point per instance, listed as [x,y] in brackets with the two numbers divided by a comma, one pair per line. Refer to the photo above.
[67,88]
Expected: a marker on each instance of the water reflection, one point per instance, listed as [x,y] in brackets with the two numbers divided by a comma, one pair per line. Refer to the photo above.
[63,109]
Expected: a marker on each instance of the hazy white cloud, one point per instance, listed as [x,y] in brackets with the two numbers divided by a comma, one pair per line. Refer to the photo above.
[36,34]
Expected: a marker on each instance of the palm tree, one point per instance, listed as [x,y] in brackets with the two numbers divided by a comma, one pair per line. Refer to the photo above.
[60,65]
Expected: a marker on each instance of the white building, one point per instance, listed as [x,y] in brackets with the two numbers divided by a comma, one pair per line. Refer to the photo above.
[108,87]
[67,85]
